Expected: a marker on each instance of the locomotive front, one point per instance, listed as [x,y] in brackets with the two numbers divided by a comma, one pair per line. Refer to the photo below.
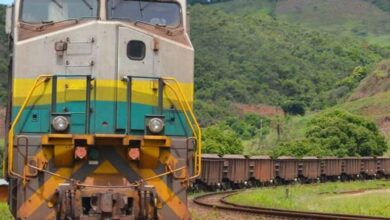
[100,115]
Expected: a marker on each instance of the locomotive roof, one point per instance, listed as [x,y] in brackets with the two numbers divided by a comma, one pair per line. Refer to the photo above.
[260,157]
[213,156]
[233,156]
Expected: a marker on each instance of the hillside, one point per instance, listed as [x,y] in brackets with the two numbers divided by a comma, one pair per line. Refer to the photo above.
[247,55]
[371,99]
[253,58]
[246,6]
[378,81]
[365,19]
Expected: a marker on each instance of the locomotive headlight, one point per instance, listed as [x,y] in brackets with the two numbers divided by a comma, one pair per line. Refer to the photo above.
[60,123]
[156,125]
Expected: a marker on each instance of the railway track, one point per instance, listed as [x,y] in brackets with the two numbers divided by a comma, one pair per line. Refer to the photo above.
[219,201]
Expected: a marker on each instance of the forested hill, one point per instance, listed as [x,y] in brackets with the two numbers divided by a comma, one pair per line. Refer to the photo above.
[365,19]
[246,54]
[255,58]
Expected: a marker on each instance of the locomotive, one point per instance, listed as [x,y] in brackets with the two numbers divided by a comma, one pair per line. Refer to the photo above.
[100,121]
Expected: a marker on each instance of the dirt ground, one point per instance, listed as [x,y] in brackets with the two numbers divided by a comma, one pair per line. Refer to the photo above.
[203,213]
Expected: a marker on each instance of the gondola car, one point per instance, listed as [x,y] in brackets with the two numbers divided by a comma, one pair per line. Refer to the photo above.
[309,169]
[261,170]
[368,167]
[236,173]
[286,169]
[212,173]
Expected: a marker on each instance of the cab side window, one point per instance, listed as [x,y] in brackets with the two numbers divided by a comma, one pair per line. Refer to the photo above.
[136,50]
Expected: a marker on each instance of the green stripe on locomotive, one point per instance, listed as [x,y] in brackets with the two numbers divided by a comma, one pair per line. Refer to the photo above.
[103,120]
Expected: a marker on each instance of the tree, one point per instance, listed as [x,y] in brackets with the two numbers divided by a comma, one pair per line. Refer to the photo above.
[337,133]
[300,148]
[221,139]
[294,108]
[254,58]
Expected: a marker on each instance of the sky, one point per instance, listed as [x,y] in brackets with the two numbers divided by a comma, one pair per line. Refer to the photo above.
[6,2]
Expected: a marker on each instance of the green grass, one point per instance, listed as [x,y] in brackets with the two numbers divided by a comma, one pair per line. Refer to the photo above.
[324,198]
[4,212]
[383,40]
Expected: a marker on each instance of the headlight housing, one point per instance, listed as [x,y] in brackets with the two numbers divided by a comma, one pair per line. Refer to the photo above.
[60,123]
[156,125]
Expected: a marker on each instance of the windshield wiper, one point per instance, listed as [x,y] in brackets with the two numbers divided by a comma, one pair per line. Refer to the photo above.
[141,10]
[156,25]
[36,26]
[58,4]
[43,24]
[39,26]
[47,22]
[88,5]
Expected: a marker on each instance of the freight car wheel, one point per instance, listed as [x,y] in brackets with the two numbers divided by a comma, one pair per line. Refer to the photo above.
[278,181]
[302,180]
[344,177]
[323,179]
[255,183]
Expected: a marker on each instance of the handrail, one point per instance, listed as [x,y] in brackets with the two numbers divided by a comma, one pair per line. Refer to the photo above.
[39,81]
[197,131]
[44,78]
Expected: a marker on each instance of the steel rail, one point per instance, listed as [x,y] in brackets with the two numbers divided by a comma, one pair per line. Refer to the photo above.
[223,204]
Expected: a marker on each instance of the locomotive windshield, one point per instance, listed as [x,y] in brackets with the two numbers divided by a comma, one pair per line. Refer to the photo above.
[151,12]
[40,11]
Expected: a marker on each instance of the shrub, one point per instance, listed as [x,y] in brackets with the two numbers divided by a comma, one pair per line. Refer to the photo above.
[294,108]
[221,139]
[337,133]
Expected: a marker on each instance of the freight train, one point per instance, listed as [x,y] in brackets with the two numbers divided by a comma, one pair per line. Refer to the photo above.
[237,171]
[100,122]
